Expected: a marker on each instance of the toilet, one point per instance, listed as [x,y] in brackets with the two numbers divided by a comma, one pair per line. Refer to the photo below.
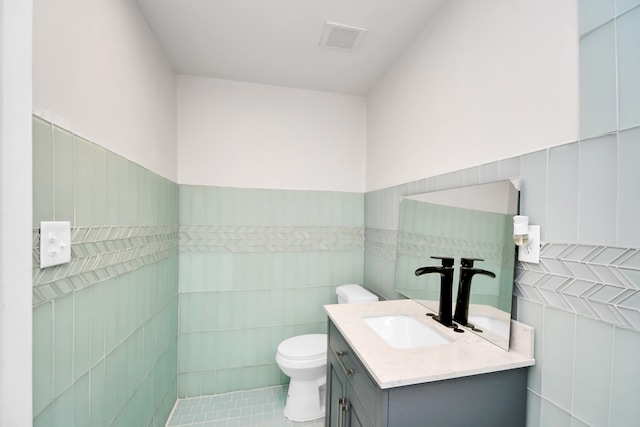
[304,359]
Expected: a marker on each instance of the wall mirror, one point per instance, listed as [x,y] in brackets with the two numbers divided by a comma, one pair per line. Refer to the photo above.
[468,222]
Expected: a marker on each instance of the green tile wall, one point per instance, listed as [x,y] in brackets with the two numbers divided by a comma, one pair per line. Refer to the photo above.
[104,325]
[256,266]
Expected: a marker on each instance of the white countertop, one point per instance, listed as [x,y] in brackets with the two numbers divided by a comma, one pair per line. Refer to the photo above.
[466,355]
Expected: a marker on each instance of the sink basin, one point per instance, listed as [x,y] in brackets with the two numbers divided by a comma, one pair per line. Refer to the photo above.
[402,331]
[486,323]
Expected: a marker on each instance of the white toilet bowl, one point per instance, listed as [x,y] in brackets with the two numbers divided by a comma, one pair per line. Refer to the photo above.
[304,360]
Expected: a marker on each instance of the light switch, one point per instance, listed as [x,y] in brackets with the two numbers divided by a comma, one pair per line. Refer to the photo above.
[55,243]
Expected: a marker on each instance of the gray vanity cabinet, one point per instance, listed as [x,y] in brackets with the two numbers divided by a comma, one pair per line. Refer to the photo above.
[354,399]
[345,375]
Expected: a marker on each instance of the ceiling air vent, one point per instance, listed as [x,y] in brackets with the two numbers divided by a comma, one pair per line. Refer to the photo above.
[341,36]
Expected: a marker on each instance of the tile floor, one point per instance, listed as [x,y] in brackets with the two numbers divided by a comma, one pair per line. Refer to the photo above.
[255,408]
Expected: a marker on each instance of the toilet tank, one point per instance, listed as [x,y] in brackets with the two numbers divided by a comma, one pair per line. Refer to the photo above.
[349,294]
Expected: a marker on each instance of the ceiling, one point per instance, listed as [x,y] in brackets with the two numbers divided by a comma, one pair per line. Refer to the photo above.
[277,42]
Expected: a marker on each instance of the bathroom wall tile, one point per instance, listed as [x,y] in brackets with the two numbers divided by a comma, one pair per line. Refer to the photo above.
[532,314]
[81,332]
[82,181]
[444,181]
[143,189]
[226,380]
[171,190]
[183,352]
[357,202]
[246,271]
[533,195]
[558,351]
[136,217]
[164,196]
[628,45]
[577,423]
[417,187]
[255,212]
[184,300]
[42,356]
[42,171]
[562,198]
[597,193]
[370,208]
[598,82]
[112,199]
[509,168]
[592,371]
[471,176]
[156,197]
[456,179]
[98,185]
[623,6]
[111,314]
[195,314]
[551,415]
[207,383]
[194,354]
[489,172]
[98,324]
[63,409]
[625,374]
[185,272]
[432,183]
[63,175]
[124,199]
[62,344]
[225,313]
[533,409]
[198,205]
[81,402]
[45,418]
[208,348]
[227,208]
[593,13]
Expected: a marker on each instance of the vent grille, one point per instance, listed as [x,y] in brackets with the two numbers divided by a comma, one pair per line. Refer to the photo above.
[339,36]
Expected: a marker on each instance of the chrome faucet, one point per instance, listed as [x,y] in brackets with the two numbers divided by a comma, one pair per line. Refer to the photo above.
[446,288]
[464,289]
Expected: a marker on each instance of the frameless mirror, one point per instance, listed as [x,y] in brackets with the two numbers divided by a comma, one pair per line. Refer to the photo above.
[469,222]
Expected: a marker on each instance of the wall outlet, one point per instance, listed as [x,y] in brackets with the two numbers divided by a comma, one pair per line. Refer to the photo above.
[55,243]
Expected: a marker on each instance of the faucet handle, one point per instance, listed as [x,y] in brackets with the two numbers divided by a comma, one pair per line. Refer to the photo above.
[446,261]
[468,262]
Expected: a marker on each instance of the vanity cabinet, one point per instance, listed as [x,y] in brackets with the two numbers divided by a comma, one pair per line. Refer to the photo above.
[354,398]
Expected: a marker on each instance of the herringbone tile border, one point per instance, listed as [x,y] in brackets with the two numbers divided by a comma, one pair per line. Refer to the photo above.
[381,242]
[101,253]
[421,245]
[266,239]
[599,282]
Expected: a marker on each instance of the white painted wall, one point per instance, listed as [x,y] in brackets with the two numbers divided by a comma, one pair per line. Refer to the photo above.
[235,134]
[100,73]
[485,81]
[16,213]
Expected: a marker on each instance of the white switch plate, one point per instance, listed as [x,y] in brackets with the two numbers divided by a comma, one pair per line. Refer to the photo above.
[531,252]
[55,243]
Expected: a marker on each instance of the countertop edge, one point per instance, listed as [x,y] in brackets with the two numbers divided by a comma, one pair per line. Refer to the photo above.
[520,354]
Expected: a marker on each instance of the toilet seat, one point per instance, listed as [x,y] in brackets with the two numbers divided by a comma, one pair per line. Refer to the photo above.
[304,347]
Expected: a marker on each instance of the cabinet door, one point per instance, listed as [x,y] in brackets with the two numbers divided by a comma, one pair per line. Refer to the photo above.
[342,406]
[336,393]
[355,415]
